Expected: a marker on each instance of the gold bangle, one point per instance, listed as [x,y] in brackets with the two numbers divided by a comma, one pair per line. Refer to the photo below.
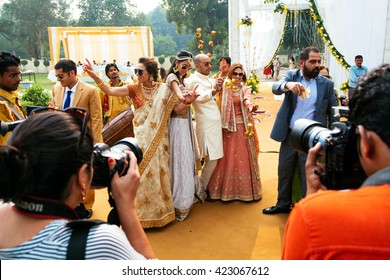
[99,85]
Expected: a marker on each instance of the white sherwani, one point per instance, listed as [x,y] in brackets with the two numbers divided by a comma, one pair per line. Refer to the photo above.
[207,117]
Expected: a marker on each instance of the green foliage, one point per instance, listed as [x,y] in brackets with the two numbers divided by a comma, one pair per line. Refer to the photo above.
[109,13]
[205,14]
[46,62]
[24,62]
[164,45]
[161,27]
[35,96]
[36,63]
[28,21]
[171,59]
[161,60]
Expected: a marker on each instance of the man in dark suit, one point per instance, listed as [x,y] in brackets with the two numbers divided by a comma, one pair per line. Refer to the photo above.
[307,95]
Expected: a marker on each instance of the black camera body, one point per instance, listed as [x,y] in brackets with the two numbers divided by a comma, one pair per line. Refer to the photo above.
[342,167]
[102,152]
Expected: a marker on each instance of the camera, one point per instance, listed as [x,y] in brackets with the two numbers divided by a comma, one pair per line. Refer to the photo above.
[339,154]
[102,152]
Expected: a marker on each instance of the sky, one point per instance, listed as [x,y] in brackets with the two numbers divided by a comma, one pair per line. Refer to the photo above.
[147,5]
[144,5]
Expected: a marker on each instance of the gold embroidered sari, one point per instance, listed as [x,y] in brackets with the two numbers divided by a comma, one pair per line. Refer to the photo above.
[154,201]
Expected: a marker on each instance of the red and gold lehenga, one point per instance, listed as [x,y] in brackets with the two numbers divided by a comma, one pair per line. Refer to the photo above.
[237,175]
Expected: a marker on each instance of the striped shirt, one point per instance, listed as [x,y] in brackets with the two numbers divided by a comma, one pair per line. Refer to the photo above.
[105,242]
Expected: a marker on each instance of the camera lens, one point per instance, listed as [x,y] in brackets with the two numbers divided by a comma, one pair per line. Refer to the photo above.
[307,133]
[102,152]
[128,144]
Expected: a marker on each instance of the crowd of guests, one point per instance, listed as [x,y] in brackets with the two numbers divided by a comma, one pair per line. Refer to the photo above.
[199,142]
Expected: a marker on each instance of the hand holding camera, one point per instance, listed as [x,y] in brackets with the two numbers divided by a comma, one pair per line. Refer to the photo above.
[124,186]
[313,169]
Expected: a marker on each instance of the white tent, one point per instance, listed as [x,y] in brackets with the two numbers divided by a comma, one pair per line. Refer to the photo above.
[101,43]
[354,27]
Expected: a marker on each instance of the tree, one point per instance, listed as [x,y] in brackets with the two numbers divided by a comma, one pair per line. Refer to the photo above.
[28,21]
[46,62]
[36,64]
[109,13]
[205,14]
[164,45]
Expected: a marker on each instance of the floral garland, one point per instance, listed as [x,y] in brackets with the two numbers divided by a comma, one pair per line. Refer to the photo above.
[253,82]
[325,36]
[201,42]
[247,21]
[282,8]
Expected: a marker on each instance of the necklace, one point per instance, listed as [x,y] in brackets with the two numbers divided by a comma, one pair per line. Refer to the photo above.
[148,94]
[236,90]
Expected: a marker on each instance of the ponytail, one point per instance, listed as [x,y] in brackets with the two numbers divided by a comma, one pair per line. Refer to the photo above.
[16,177]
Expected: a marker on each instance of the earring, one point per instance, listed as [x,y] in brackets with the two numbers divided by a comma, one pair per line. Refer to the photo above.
[151,79]
[175,69]
[83,193]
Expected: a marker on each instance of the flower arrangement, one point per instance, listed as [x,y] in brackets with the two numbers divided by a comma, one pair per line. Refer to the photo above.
[345,86]
[281,8]
[253,82]
[247,21]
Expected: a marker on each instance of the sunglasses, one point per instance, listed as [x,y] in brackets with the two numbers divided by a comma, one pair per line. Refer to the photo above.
[238,74]
[80,115]
[61,76]
[139,72]
[185,67]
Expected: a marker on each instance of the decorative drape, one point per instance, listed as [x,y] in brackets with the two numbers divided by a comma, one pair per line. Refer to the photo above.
[261,39]
[355,27]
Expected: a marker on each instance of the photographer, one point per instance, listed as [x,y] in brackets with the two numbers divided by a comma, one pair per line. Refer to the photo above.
[45,172]
[350,224]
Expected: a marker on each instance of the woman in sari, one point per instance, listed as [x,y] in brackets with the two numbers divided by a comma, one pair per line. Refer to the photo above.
[237,175]
[153,103]
[185,183]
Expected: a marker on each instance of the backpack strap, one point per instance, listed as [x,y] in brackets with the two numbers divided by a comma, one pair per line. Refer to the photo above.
[78,239]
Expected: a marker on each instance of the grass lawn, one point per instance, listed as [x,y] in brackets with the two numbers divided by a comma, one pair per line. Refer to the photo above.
[43,81]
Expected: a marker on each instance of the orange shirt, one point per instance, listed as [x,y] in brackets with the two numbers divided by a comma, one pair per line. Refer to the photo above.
[347,224]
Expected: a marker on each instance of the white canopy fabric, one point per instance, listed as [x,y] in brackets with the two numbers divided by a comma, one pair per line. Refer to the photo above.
[354,26]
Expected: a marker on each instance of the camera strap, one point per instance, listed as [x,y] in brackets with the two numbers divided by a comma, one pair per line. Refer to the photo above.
[45,208]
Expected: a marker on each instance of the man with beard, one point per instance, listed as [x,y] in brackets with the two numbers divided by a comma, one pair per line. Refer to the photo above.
[10,108]
[309,96]
[113,105]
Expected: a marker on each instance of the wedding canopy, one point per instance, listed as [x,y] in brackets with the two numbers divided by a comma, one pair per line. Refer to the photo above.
[101,43]
[353,26]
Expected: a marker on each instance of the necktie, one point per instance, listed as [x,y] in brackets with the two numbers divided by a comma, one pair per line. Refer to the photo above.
[67,100]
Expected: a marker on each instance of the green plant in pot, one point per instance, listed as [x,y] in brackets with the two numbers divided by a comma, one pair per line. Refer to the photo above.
[35,96]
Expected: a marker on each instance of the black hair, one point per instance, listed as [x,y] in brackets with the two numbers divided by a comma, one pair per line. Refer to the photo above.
[227,59]
[151,67]
[7,60]
[109,65]
[181,56]
[66,65]
[359,56]
[41,156]
[370,103]
[304,55]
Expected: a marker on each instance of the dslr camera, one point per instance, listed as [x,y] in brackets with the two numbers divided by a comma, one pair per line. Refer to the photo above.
[102,152]
[339,156]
